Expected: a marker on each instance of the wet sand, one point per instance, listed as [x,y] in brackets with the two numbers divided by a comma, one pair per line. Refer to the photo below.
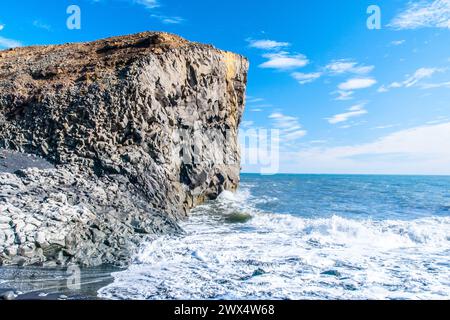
[40,283]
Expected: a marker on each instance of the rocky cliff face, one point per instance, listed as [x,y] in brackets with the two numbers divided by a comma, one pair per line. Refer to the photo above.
[136,131]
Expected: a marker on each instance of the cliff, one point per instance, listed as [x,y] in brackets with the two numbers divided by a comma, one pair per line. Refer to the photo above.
[131,133]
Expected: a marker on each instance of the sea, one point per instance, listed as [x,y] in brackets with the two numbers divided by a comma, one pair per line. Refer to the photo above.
[303,237]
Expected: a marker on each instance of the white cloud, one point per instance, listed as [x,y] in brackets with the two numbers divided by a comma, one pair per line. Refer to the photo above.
[383,89]
[347,66]
[343,95]
[247,124]
[167,19]
[254,99]
[6,43]
[304,78]
[149,4]
[293,135]
[290,128]
[41,25]
[398,42]
[2,26]
[438,120]
[435,85]
[386,126]
[421,14]
[419,75]
[356,84]
[267,44]
[283,121]
[355,111]
[284,61]
[419,150]
[152,4]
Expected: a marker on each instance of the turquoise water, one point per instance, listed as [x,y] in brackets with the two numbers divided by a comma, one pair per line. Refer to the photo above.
[304,237]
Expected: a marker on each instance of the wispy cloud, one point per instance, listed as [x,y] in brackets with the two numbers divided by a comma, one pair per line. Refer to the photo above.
[41,25]
[435,85]
[418,150]
[266,44]
[251,99]
[357,84]
[398,42]
[6,43]
[335,68]
[276,57]
[347,66]
[352,112]
[420,74]
[149,4]
[290,128]
[304,78]
[284,61]
[343,95]
[412,80]
[247,124]
[361,78]
[386,126]
[421,14]
[256,104]
[167,19]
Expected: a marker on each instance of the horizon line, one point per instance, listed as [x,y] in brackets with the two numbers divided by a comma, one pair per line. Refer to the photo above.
[352,174]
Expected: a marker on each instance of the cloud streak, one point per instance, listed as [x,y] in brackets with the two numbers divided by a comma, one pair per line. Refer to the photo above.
[41,25]
[418,150]
[284,61]
[149,4]
[6,43]
[168,20]
[413,80]
[266,44]
[304,78]
[357,84]
[352,112]
[423,14]
[290,128]
[347,66]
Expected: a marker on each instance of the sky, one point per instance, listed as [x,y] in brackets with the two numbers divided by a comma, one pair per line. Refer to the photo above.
[338,86]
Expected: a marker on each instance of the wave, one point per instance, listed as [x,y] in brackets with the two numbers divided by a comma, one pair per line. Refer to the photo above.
[280,256]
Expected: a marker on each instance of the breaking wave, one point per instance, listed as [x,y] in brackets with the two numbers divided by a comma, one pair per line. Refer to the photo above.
[231,250]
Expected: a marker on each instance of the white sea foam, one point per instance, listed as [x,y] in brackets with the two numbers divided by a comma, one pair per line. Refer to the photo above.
[277,256]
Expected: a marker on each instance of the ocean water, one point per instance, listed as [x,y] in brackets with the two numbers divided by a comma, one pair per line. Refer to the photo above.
[304,237]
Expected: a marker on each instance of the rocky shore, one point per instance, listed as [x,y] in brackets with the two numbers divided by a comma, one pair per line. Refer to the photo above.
[108,143]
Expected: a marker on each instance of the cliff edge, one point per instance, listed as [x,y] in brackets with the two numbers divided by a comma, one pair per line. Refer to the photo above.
[130,133]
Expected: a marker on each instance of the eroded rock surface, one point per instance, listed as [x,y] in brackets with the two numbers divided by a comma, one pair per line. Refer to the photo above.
[136,131]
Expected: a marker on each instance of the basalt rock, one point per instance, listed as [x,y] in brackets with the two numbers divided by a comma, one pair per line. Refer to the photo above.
[132,131]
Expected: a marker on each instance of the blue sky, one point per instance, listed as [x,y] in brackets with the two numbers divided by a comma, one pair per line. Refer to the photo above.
[345,99]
